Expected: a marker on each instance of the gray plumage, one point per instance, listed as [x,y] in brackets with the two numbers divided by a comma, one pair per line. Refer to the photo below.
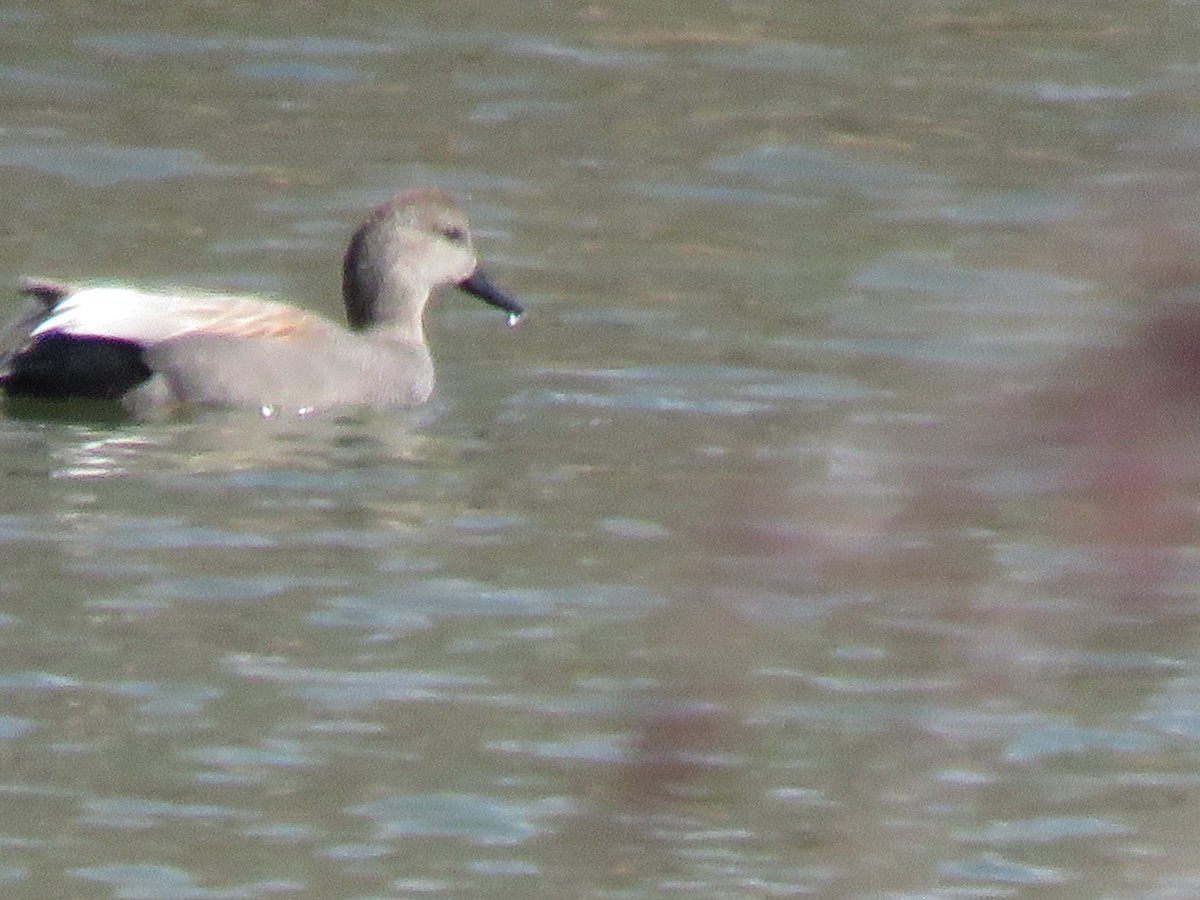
[152,350]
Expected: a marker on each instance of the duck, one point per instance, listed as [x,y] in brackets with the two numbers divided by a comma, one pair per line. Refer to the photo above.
[151,351]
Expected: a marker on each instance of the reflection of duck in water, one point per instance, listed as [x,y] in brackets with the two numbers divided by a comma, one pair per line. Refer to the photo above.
[154,350]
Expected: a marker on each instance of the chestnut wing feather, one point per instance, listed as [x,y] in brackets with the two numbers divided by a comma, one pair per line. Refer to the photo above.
[150,319]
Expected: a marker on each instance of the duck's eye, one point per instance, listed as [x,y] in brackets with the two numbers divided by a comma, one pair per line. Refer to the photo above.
[454,233]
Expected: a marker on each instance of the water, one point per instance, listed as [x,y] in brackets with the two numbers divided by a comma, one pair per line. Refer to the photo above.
[826,528]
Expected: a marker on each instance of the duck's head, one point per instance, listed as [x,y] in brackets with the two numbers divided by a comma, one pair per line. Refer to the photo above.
[407,247]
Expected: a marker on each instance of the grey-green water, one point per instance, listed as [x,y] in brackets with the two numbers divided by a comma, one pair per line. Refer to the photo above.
[828,527]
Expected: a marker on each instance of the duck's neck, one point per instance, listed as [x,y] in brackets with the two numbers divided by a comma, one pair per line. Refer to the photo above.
[380,295]
[391,308]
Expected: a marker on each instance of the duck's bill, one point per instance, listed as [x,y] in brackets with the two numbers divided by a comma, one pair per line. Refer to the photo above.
[479,285]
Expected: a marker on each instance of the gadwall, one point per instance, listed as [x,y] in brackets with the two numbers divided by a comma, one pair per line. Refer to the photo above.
[151,350]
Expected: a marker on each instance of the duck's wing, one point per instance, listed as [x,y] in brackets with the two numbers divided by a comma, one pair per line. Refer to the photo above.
[146,319]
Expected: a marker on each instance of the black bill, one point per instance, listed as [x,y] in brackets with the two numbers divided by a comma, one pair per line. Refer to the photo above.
[478,285]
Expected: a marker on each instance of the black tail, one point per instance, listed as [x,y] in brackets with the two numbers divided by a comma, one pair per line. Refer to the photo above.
[62,365]
[56,366]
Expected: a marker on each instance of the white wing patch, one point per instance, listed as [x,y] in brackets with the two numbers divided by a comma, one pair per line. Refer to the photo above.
[148,319]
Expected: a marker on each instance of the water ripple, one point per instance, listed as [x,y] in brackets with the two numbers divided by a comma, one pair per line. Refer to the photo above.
[139,812]
[153,882]
[344,689]
[474,818]
[992,867]
[18,76]
[1048,828]
[98,164]
[795,162]
[159,43]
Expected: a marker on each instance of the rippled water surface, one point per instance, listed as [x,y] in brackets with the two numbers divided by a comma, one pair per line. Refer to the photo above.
[826,529]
